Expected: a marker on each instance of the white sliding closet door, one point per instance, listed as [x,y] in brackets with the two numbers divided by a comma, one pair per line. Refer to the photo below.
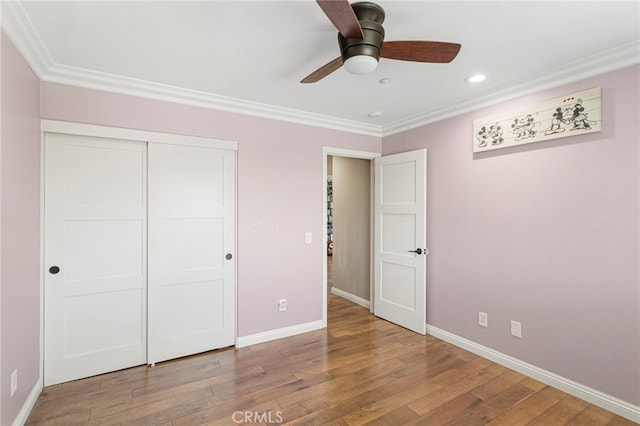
[95,256]
[191,250]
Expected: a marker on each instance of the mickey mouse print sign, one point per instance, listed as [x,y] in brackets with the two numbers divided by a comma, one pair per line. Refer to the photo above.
[570,115]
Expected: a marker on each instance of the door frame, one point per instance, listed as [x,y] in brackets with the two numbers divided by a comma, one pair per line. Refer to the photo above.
[73,128]
[347,153]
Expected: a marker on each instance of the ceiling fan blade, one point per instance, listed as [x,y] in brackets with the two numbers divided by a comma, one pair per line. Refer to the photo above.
[420,51]
[323,71]
[343,17]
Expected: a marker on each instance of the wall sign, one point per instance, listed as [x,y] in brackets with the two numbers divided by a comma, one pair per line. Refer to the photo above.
[570,115]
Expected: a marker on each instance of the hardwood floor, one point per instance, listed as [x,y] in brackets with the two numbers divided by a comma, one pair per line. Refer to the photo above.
[360,370]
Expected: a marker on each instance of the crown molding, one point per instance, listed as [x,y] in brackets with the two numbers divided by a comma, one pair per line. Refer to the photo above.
[80,77]
[18,27]
[20,30]
[610,60]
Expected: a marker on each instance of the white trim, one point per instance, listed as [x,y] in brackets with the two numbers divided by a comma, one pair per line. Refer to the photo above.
[596,397]
[351,297]
[30,402]
[20,30]
[70,128]
[42,265]
[341,152]
[235,248]
[280,333]
[323,233]
[79,77]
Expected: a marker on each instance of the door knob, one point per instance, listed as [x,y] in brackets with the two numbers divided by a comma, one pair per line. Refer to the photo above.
[54,270]
[417,251]
[229,256]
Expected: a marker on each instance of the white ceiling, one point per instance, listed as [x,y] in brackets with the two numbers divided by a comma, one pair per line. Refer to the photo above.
[250,55]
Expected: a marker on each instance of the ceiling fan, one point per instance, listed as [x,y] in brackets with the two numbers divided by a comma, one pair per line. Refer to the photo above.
[361,40]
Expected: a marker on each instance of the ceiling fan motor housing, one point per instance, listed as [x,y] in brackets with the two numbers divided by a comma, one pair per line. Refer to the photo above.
[361,41]
[370,16]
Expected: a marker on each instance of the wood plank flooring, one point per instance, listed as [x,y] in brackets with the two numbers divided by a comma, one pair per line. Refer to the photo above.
[360,370]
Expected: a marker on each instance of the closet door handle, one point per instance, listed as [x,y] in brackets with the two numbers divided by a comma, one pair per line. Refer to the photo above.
[229,256]
[54,270]
[417,251]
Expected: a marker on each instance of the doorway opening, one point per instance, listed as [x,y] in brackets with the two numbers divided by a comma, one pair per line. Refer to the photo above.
[348,226]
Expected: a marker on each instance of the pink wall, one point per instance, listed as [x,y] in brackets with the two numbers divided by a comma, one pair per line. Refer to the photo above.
[279,193]
[20,224]
[546,234]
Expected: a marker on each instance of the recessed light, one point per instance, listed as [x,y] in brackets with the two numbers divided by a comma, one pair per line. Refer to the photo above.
[375,114]
[477,78]
[384,80]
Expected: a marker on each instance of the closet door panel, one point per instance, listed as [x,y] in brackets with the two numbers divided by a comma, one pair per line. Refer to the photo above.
[95,234]
[191,231]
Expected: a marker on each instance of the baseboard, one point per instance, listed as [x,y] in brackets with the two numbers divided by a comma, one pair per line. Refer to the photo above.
[280,333]
[351,297]
[28,405]
[595,397]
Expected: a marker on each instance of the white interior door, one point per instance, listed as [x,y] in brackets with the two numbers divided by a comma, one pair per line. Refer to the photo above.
[95,248]
[400,239]
[191,250]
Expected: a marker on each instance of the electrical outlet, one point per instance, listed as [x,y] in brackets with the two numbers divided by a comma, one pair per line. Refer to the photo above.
[308,238]
[516,329]
[14,382]
[483,319]
[282,305]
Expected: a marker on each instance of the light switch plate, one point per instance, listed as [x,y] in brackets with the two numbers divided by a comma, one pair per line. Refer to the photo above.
[483,319]
[516,329]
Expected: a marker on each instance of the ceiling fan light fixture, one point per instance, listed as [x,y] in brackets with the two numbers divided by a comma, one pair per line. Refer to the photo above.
[361,64]
[476,78]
